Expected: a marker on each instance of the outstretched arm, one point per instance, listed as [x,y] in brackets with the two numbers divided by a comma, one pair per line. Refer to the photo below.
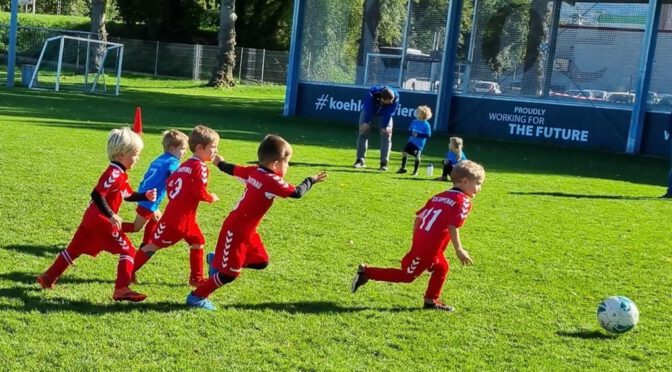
[304,186]
[222,165]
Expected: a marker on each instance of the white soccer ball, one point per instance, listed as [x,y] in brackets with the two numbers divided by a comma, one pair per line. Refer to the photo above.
[617,314]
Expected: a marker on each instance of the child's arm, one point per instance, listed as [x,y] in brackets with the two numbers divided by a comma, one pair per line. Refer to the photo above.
[149,195]
[304,186]
[218,161]
[461,253]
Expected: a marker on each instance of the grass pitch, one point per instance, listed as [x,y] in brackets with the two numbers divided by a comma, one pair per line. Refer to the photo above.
[553,232]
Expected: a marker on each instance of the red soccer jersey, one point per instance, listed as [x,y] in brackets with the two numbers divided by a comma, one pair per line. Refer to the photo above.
[114,187]
[262,186]
[450,207]
[187,187]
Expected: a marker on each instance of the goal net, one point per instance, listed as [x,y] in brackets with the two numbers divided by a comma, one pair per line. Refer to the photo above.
[80,64]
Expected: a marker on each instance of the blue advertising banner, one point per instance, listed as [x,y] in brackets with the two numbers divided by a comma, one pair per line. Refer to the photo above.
[552,122]
[541,122]
[344,103]
[656,134]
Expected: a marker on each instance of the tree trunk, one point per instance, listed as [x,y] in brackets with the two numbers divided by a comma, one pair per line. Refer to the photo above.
[369,39]
[533,65]
[222,74]
[98,26]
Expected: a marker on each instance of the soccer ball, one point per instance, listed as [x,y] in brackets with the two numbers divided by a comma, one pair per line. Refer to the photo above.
[617,314]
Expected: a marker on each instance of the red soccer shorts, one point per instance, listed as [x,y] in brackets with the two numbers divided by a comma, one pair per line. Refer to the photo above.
[144,213]
[94,238]
[236,250]
[165,235]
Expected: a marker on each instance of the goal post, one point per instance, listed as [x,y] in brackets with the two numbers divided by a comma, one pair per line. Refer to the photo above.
[76,63]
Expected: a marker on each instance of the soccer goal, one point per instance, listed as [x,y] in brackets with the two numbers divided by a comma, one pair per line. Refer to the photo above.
[75,63]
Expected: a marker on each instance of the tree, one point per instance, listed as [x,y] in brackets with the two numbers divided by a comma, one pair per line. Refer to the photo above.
[533,65]
[222,73]
[98,27]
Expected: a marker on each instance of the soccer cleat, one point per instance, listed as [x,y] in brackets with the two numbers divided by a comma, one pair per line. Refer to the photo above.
[360,278]
[44,283]
[383,168]
[127,294]
[201,303]
[402,171]
[414,174]
[437,305]
[211,269]
[359,163]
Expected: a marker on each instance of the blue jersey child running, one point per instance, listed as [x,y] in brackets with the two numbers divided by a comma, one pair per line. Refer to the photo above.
[155,178]
[423,131]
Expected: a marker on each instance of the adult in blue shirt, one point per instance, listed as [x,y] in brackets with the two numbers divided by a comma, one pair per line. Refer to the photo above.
[380,103]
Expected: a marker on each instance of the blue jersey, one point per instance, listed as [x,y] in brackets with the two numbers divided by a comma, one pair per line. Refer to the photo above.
[373,105]
[452,158]
[155,178]
[422,131]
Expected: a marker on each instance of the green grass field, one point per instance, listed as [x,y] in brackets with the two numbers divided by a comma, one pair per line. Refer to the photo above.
[553,232]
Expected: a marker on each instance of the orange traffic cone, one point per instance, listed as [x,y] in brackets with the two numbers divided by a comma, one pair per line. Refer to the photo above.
[137,123]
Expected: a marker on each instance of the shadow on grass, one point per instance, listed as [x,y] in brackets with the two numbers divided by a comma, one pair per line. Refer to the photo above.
[312,307]
[586,334]
[31,300]
[29,278]
[35,250]
[586,196]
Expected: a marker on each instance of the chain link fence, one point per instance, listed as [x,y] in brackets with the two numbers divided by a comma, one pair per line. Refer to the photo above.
[159,58]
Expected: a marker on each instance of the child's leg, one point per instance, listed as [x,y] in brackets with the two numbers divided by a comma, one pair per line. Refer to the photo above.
[142,256]
[229,258]
[150,228]
[67,257]
[447,168]
[416,164]
[196,262]
[411,267]
[439,273]
[256,257]
[136,226]
[404,158]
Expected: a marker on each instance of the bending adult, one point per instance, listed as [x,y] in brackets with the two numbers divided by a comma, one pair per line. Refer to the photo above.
[380,103]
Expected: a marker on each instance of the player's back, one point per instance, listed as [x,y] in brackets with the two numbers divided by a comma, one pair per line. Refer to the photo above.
[184,189]
[262,186]
[156,177]
[448,208]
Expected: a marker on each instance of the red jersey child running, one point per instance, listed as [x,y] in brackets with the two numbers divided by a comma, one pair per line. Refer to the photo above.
[436,224]
[100,229]
[239,244]
[186,188]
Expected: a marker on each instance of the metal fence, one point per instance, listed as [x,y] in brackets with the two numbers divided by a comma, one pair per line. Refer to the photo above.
[159,58]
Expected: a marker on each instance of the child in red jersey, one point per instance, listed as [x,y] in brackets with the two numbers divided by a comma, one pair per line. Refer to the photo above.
[186,188]
[436,224]
[100,229]
[239,244]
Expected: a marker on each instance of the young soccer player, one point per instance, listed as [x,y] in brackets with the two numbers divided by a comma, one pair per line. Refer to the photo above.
[436,224]
[148,213]
[419,131]
[453,156]
[186,188]
[100,229]
[239,244]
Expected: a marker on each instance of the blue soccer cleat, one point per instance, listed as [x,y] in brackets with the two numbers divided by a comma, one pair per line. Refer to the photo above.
[211,270]
[201,303]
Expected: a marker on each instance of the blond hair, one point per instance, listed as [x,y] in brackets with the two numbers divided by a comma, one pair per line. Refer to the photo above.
[173,138]
[202,135]
[423,113]
[469,170]
[273,148]
[123,141]
[455,146]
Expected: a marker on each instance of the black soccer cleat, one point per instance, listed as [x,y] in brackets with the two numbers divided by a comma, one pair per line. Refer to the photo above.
[360,278]
[359,163]
[437,305]
[402,171]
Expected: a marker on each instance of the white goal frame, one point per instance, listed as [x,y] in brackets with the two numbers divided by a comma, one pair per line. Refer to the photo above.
[109,46]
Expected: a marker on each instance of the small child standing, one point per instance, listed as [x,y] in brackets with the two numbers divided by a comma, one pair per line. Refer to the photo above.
[186,188]
[148,213]
[100,229]
[436,224]
[419,131]
[239,244]
[453,156]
